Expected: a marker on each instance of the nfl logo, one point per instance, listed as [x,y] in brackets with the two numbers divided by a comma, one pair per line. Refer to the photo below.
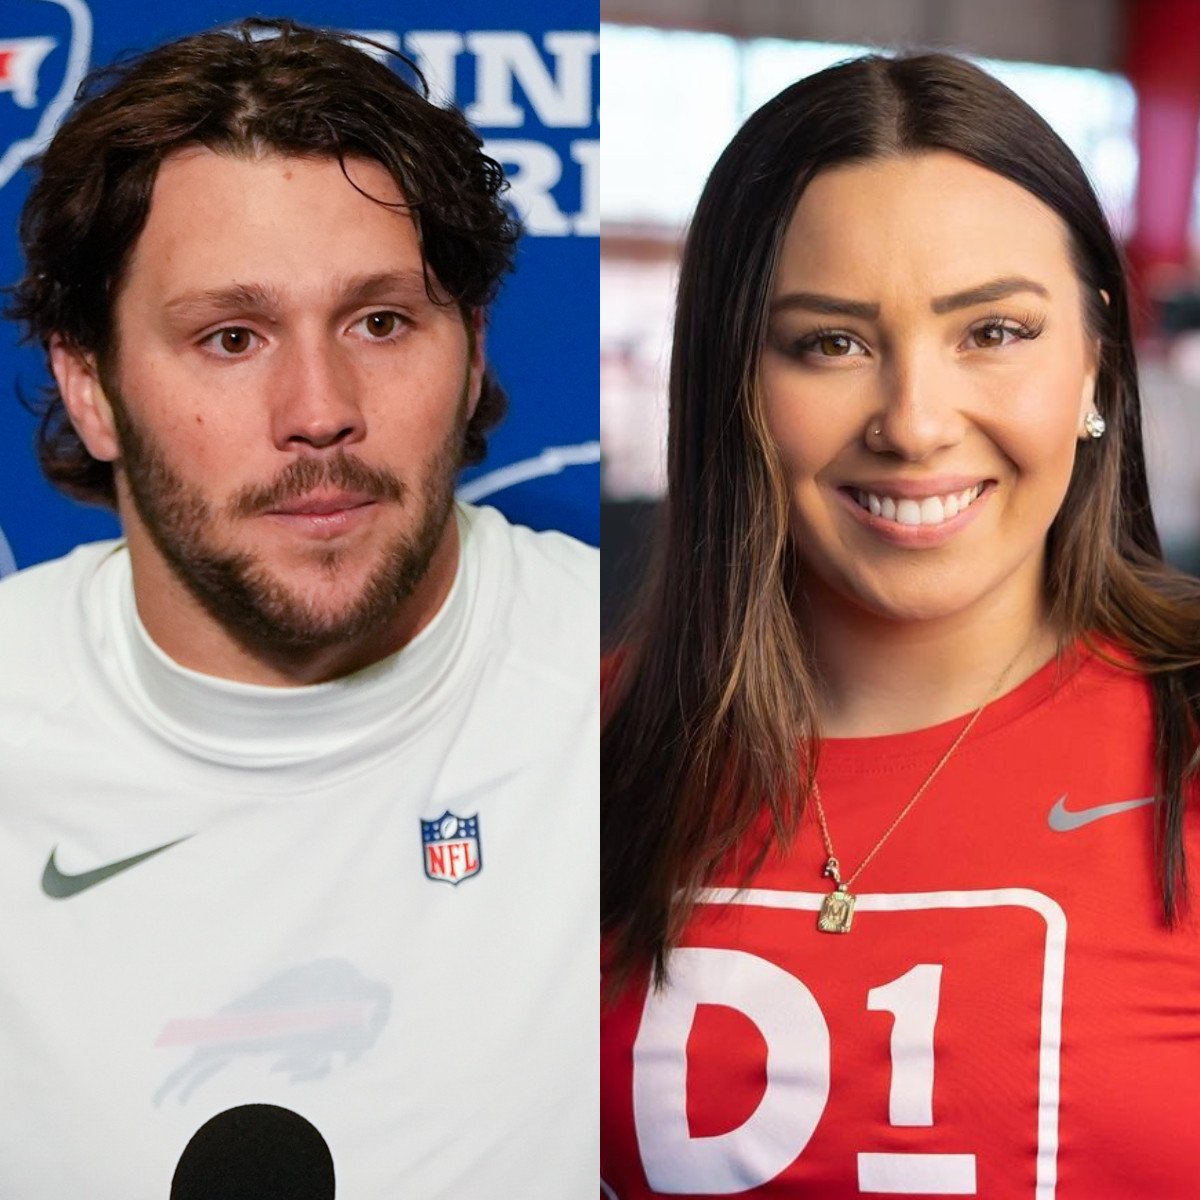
[451,847]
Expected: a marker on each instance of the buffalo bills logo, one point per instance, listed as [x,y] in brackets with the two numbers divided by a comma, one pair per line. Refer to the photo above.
[20,61]
[302,1022]
[451,847]
[45,47]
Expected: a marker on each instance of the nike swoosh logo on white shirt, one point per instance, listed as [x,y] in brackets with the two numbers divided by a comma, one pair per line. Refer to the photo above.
[1063,819]
[58,885]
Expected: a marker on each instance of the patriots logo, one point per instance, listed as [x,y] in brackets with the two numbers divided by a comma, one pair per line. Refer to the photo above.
[44,56]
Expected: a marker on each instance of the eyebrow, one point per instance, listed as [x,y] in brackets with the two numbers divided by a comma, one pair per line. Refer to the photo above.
[263,299]
[984,293]
[995,289]
[367,288]
[243,296]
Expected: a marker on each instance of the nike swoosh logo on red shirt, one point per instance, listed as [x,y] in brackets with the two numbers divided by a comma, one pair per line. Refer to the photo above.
[59,886]
[1063,819]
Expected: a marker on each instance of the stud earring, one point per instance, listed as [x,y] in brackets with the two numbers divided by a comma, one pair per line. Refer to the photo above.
[1095,425]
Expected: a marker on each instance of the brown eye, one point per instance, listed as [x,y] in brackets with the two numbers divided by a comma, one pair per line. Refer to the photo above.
[382,324]
[234,340]
[819,344]
[988,336]
[834,345]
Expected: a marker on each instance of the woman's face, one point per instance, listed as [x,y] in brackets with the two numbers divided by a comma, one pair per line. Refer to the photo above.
[925,378]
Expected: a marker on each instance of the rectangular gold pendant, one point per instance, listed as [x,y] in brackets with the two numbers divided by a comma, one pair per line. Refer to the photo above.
[837,913]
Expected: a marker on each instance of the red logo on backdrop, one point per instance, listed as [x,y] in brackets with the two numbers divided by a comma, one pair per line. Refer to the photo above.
[451,847]
[37,85]
[20,61]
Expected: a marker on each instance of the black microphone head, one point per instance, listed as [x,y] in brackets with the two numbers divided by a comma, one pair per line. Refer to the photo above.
[255,1152]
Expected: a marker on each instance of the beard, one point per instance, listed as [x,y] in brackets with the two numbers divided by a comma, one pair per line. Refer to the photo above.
[256,606]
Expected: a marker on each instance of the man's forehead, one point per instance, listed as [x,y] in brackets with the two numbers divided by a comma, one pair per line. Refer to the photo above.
[259,230]
[361,172]
[256,187]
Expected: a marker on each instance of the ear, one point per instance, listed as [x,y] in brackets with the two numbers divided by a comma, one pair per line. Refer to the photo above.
[87,405]
[478,359]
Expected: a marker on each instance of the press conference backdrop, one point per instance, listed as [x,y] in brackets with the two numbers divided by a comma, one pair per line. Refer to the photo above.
[527,77]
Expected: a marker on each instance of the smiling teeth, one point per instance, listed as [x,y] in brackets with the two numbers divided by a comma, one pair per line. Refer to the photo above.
[933,510]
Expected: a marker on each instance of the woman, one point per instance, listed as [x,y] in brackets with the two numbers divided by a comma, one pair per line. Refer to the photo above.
[899,757]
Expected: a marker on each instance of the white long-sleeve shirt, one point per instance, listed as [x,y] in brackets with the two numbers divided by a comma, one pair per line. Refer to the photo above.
[293,933]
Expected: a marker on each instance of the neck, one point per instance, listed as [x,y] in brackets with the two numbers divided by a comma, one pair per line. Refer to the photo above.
[183,628]
[879,676]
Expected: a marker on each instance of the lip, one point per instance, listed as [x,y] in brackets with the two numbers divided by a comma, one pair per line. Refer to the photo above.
[321,504]
[323,514]
[918,536]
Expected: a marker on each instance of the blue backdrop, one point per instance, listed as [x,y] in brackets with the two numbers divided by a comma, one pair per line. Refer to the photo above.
[526,75]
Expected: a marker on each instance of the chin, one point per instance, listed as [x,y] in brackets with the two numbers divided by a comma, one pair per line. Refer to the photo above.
[900,601]
[330,595]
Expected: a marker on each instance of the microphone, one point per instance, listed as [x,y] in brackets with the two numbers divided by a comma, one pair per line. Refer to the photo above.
[255,1152]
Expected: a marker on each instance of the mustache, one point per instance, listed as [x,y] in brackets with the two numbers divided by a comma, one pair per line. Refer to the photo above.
[304,475]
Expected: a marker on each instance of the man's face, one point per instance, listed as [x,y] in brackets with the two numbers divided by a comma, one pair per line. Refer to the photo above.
[287,401]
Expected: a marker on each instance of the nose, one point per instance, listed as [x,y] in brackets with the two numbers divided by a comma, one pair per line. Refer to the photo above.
[317,401]
[921,408]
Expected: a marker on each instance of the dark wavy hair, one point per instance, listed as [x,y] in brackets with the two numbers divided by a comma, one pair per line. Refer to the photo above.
[713,699]
[260,85]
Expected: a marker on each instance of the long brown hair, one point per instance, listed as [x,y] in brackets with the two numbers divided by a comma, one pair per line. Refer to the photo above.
[259,86]
[712,698]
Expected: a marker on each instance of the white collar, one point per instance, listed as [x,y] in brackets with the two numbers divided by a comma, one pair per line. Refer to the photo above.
[256,727]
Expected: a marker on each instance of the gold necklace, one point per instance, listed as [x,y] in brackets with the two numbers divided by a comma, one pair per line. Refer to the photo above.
[837,909]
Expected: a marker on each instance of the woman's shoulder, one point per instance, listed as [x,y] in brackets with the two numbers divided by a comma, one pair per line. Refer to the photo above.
[1092,680]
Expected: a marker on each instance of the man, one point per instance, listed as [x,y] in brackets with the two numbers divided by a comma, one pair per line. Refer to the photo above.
[299,779]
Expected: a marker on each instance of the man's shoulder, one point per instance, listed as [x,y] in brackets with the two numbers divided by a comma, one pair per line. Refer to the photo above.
[34,601]
[546,591]
[550,566]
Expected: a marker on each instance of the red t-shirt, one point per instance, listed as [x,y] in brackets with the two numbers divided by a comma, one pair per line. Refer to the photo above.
[1008,1017]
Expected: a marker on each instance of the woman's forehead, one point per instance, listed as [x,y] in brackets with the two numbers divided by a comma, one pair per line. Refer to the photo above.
[930,224]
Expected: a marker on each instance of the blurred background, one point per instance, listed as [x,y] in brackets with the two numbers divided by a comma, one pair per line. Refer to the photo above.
[1119,80]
